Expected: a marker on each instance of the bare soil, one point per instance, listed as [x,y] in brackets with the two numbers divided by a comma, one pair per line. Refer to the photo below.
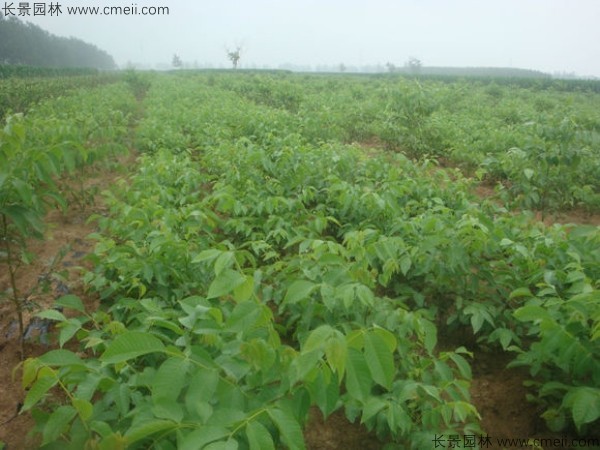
[336,432]
[500,397]
[575,216]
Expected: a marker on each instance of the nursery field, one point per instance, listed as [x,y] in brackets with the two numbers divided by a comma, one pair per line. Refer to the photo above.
[252,260]
[22,86]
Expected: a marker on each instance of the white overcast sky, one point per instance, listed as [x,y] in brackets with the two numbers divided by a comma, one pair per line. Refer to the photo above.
[547,35]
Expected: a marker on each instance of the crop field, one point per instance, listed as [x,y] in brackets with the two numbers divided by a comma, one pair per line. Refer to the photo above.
[230,260]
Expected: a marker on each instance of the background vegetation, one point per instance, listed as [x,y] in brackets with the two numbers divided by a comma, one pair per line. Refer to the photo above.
[27,44]
[290,241]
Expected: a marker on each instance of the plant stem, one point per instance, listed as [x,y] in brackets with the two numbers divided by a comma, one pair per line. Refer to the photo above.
[12,270]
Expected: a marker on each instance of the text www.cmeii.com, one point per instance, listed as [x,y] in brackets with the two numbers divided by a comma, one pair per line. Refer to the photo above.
[27,9]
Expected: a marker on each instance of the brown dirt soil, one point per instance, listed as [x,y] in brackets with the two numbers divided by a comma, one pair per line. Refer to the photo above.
[56,271]
[500,397]
[484,191]
[576,216]
[336,432]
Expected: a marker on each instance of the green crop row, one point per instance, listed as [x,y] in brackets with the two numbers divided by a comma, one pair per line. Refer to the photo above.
[188,297]
[40,149]
[19,71]
[540,146]
[18,94]
[251,270]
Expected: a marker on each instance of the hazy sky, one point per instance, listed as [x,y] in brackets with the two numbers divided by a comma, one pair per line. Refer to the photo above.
[547,35]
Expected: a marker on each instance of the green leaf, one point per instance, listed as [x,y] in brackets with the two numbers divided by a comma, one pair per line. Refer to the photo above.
[164,323]
[84,408]
[69,160]
[575,276]
[46,379]
[365,295]
[57,423]
[58,199]
[380,360]
[51,314]
[299,290]
[387,336]
[129,345]
[198,439]
[146,428]
[225,282]
[60,358]
[358,376]
[405,264]
[30,371]
[206,255]
[169,378]
[24,219]
[336,351]
[71,302]
[316,339]
[25,191]
[230,444]
[520,292]
[166,387]
[531,313]
[259,437]
[462,410]
[167,408]
[356,339]
[244,291]
[431,391]
[244,317]
[398,418]
[202,387]
[324,390]
[68,330]
[462,364]
[528,173]
[555,419]
[429,336]
[224,261]
[585,405]
[504,335]
[112,441]
[289,428]
[303,365]
[258,353]
[479,314]
[371,408]
[87,387]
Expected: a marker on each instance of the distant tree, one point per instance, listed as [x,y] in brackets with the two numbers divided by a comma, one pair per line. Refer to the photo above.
[234,56]
[414,65]
[342,67]
[176,62]
[390,67]
[28,44]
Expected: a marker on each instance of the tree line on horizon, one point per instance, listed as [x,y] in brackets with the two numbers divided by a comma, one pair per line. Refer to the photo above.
[23,43]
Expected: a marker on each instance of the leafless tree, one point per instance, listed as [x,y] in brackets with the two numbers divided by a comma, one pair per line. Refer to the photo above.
[177,63]
[235,55]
